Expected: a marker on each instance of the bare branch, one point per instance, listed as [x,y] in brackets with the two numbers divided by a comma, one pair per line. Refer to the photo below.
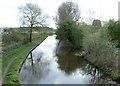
[68,10]
[31,14]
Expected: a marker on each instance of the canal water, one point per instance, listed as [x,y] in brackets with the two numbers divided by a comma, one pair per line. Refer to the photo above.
[61,68]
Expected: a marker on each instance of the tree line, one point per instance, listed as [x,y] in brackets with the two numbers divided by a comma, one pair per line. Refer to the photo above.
[67,22]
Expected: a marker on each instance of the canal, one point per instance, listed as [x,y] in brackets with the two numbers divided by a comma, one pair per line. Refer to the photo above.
[61,68]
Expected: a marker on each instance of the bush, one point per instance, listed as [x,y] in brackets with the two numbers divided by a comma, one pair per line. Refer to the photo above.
[69,30]
[114,32]
[14,37]
[26,38]
[8,39]
[100,50]
[99,43]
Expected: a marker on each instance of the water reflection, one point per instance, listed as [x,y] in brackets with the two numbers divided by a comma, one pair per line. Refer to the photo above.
[31,74]
[69,63]
[65,68]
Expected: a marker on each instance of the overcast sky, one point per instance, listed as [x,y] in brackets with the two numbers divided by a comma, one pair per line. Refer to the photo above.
[103,10]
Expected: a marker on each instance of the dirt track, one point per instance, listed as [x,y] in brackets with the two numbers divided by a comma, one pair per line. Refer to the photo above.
[8,66]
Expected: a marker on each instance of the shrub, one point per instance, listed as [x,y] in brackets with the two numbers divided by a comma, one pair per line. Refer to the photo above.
[100,50]
[8,39]
[69,30]
[26,38]
[98,43]
[114,32]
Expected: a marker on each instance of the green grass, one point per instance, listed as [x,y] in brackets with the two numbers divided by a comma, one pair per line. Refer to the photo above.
[21,52]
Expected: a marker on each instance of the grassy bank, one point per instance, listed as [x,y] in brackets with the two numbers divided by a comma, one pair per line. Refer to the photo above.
[19,36]
[18,55]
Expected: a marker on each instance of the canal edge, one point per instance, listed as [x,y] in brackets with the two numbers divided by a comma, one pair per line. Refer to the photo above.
[19,69]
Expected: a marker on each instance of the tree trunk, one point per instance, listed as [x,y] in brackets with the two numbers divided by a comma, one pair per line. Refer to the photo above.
[31,58]
[31,33]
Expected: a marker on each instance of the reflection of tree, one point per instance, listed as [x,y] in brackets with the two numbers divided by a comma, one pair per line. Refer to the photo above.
[97,75]
[69,63]
[31,74]
[31,56]
[42,67]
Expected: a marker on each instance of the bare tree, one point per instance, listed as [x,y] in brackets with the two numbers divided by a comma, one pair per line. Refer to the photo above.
[68,10]
[91,14]
[31,16]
